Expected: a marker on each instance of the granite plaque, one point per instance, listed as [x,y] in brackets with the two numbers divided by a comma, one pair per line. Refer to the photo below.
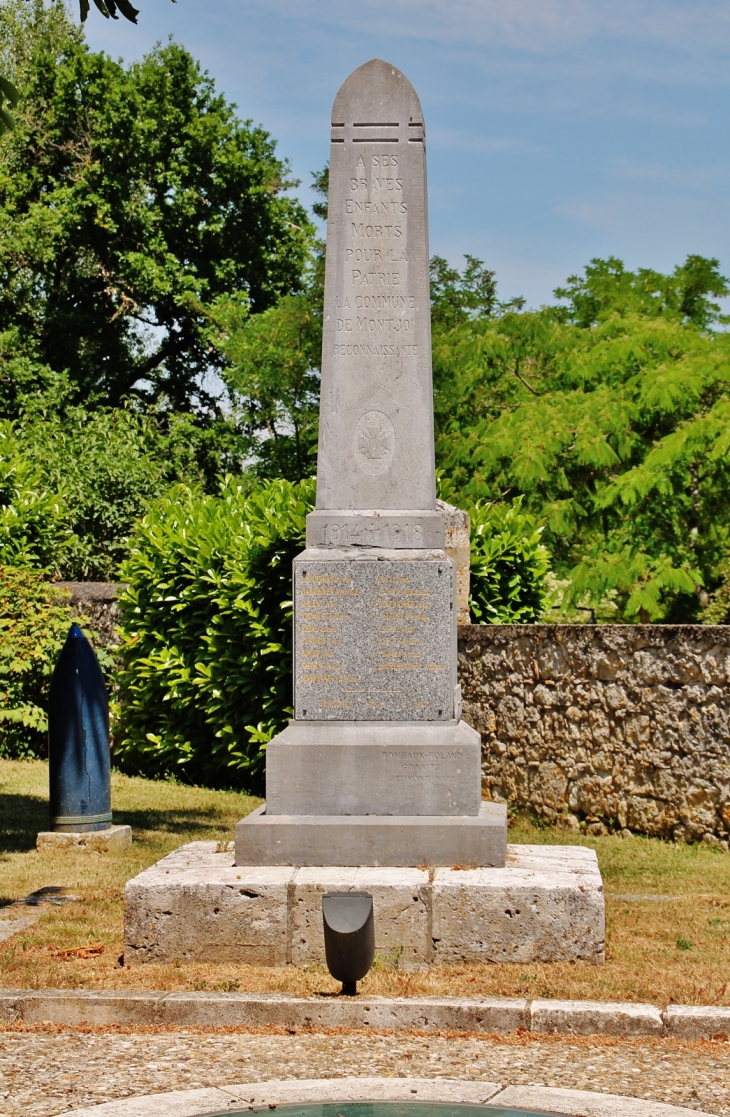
[374,639]
[394,530]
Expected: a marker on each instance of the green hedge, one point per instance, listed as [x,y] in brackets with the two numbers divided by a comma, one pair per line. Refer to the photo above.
[206,647]
[206,677]
[34,622]
[509,565]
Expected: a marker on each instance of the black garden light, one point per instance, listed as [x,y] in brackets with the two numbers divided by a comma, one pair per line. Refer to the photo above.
[349,937]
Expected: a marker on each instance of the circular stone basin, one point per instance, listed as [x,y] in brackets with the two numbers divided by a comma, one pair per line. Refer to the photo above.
[388,1109]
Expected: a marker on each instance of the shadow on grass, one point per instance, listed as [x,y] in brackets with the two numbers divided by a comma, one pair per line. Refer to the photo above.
[205,823]
[24,815]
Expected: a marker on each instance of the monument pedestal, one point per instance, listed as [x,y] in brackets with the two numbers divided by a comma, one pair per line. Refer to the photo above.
[374,793]
[374,768]
[374,840]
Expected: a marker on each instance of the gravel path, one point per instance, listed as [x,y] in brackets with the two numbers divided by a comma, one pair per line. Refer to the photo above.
[43,1074]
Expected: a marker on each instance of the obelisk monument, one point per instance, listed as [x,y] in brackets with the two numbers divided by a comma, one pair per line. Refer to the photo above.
[376,768]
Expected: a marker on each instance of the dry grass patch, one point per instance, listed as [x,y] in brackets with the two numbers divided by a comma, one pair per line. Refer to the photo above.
[675,949]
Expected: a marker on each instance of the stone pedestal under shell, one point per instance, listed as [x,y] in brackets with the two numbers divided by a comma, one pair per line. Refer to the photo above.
[88,841]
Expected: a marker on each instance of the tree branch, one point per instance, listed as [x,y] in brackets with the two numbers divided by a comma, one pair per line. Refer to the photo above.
[145,367]
[520,377]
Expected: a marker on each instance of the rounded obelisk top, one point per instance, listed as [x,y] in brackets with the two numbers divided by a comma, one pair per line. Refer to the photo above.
[376,451]
[373,89]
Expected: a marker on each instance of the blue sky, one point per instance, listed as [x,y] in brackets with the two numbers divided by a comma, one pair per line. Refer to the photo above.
[558,130]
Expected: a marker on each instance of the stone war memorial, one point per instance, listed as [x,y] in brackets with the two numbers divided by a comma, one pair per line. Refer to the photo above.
[376,783]
[376,763]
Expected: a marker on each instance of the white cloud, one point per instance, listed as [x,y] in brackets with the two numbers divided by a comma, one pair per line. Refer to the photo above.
[558,129]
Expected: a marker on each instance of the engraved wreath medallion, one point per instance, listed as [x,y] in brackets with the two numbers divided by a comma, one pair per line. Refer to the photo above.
[374,442]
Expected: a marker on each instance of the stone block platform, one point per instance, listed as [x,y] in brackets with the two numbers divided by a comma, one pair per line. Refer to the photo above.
[373,840]
[545,905]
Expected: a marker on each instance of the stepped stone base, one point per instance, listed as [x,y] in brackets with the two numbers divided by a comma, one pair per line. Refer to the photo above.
[374,768]
[399,841]
[545,905]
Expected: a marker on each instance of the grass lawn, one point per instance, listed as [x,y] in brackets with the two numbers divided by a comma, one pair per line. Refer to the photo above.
[677,948]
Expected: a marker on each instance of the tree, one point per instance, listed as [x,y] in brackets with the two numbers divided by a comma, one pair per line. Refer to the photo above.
[130,200]
[273,378]
[8,95]
[108,466]
[609,417]
[33,528]
[108,8]
[272,366]
[607,289]
[458,297]
[16,19]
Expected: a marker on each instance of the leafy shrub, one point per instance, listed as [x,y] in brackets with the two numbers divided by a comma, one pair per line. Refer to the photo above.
[509,565]
[206,637]
[34,621]
[109,465]
[32,528]
[206,676]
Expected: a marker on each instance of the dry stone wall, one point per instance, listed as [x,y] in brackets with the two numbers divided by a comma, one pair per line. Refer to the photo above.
[601,727]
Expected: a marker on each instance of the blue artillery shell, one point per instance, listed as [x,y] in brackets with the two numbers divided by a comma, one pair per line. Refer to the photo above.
[78,739]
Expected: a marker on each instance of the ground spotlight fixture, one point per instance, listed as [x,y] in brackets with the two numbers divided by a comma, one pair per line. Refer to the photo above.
[349,937]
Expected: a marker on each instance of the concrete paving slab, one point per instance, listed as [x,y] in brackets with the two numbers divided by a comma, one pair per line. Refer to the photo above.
[112,840]
[186,1103]
[17,921]
[604,1018]
[697,1021]
[584,1103]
